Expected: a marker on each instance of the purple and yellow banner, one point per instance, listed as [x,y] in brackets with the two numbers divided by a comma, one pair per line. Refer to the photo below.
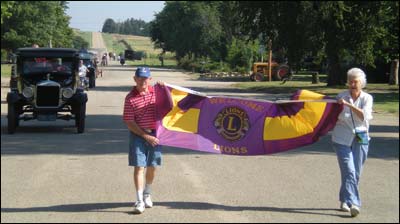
[224,125]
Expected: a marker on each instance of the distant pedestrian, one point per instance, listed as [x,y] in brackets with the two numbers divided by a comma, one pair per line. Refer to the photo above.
[104,60]
[83,70]
[161,58]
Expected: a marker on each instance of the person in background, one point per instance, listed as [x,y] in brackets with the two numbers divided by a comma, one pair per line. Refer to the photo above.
[83,70]
[351,139]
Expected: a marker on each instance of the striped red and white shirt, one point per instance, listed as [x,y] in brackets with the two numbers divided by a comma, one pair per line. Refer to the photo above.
[141,108]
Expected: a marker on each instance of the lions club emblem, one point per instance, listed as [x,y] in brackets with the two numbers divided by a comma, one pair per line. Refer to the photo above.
[232,123]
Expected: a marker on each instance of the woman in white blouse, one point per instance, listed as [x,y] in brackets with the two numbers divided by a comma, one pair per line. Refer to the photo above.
[352,150]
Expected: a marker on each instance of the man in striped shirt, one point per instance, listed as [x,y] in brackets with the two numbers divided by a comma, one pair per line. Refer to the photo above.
[144,151]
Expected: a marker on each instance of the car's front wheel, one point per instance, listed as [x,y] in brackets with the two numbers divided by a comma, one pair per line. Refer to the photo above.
[12,117]
[92,79]
[80,117]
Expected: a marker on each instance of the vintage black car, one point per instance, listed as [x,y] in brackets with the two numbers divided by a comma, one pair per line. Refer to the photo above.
[45,86]
[89,61]
[133,55]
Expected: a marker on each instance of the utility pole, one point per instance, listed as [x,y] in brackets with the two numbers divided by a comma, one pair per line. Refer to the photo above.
[269,60]
[394,73]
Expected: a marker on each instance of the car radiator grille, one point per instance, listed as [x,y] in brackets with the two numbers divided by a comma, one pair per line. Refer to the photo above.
[47,96]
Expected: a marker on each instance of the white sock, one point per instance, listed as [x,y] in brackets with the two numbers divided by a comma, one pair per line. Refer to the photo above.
[139,195]
[147,189]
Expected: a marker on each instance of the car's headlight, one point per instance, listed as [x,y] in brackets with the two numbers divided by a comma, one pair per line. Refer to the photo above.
[67,93]
[27,92]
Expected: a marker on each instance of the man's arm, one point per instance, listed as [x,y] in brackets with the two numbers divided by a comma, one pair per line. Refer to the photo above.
[133,127]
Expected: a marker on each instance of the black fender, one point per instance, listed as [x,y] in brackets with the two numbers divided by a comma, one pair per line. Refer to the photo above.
[78,99]
[13,97]
[81,97]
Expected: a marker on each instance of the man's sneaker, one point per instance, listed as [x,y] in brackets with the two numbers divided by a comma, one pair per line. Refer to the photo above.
[344,207]
[147,201]
[139,207]
[354,211]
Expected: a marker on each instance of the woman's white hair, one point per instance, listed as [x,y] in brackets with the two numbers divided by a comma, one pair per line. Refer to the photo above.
[356,73]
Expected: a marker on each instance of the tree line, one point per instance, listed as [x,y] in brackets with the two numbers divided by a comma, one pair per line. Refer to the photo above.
[340,33]
[129,27]
[24,23]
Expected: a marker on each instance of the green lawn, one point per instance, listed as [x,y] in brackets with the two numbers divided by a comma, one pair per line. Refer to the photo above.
[5,70]
[111,44]
[114,43]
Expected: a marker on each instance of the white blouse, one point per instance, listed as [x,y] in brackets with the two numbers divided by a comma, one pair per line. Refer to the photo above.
[343,133]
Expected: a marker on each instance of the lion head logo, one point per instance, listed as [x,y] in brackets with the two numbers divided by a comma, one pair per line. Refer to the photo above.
[232,123]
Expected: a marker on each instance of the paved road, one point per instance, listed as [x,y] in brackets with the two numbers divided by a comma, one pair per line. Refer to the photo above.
[51,174]
[97,40]
[98,45]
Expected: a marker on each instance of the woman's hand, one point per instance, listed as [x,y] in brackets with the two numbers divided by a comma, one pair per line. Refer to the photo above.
[343,101]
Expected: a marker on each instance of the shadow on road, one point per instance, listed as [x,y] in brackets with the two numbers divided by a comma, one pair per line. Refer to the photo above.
[125,89]
[98,207]
[133,68]
[384,128]
[211,206]
[89,207]
[107,134]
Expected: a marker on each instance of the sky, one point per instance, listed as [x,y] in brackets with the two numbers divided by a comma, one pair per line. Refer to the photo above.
[91,15]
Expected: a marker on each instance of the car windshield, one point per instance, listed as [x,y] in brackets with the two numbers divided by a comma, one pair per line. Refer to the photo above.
[87,63]
[84,55]
[54,65]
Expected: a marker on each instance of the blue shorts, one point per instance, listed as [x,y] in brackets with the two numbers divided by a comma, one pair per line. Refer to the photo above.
[141,153]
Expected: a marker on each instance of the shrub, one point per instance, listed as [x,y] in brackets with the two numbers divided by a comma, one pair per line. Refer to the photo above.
[4,54]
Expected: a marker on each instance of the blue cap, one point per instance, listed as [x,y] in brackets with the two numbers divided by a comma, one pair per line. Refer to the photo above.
[142,72]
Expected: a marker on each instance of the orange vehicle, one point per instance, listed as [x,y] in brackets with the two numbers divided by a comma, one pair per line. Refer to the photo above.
[260,71]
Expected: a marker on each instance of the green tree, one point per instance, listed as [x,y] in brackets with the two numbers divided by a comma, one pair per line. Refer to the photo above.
[289,25]
[241,54]
[79,43]
[109,26]
[344,30]
[61,32]
[229,21]
[156,35]
[6,7]
[187,28]
[356,29]
[37,22]
[130,26]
